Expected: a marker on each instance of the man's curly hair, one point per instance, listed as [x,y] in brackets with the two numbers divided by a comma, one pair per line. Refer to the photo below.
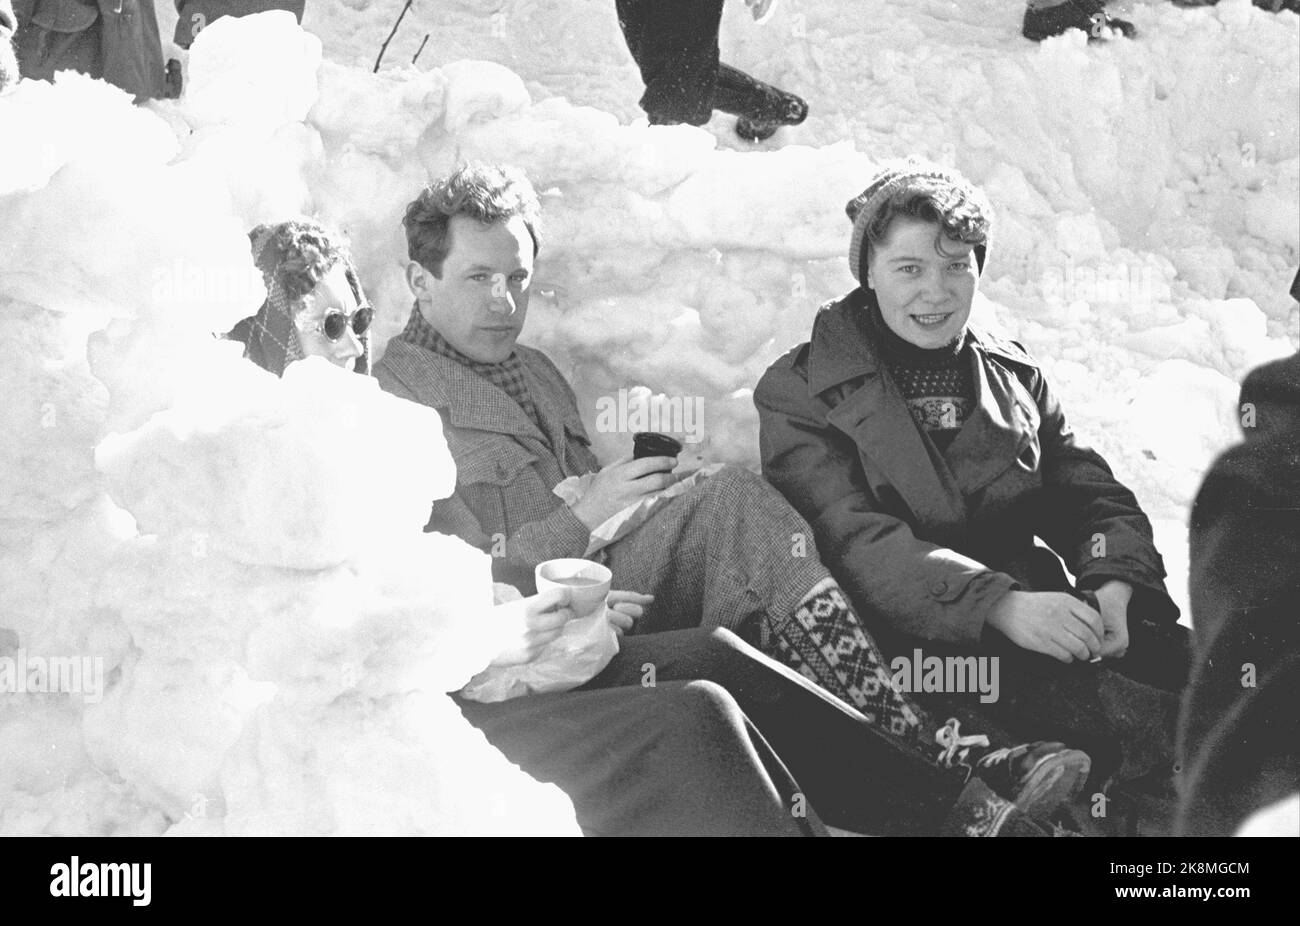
[487,192]
[297,254]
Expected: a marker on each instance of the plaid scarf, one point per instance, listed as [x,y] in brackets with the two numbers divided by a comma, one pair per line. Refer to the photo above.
[508,375]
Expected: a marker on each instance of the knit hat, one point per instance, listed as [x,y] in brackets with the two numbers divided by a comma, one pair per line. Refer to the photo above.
[270,337]
[898,177]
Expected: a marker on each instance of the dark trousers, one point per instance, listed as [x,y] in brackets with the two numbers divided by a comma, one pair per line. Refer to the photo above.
[678,758]
[675,44]
[858,777]
[1123,713]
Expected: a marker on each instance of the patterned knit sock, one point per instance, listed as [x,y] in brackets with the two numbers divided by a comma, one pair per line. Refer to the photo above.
[825,641]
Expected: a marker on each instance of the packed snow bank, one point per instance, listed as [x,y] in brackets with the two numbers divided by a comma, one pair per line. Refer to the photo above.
[232,563]
[1148,192]
[275,633]
[1201,106]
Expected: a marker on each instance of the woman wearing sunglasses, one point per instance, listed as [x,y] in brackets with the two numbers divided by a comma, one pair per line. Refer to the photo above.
[314,303]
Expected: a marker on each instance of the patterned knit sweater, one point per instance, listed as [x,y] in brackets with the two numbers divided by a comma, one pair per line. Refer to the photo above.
[937,384]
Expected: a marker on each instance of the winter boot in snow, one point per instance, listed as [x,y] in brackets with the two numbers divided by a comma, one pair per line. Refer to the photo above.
[1043,21]
[761,108]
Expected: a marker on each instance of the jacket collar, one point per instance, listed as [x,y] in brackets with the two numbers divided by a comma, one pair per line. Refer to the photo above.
[469,400]
[840,350]
[875,415]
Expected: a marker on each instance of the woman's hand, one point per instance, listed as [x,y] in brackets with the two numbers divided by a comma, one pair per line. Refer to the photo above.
[1052,623]
[1113,599]
[622,484]
[623,609]
[528,624]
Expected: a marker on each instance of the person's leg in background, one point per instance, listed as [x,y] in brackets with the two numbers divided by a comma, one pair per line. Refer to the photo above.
[678,759]
[66,36]
[1046,18]
[675,45]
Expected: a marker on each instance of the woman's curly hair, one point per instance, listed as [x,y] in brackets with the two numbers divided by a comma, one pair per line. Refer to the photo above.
[297,254]
[486,192]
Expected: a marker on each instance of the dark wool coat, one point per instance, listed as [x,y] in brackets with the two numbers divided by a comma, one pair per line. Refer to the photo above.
[505,466]
[1240,726]
[116,40]
[931,542]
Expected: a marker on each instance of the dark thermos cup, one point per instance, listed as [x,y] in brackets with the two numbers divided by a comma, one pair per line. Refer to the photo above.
[652,444]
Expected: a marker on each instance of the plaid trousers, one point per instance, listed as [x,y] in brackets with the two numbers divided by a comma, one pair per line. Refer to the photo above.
[725,554]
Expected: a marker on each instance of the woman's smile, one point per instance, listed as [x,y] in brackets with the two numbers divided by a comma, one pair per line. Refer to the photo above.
[931,321]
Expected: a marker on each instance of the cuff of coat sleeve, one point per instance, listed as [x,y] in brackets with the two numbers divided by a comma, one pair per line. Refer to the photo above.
[560,535]
[989,588]
[1150,598]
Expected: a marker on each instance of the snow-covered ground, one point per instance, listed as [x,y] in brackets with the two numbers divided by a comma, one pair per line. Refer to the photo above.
[236,564]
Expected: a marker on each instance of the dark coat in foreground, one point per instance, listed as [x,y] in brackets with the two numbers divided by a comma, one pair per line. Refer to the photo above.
[1240,724]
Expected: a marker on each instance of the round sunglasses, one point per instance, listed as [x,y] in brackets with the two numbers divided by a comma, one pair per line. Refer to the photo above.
[335,323]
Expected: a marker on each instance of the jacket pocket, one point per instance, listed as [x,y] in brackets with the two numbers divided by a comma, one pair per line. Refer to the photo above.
[493,463]
[494,480]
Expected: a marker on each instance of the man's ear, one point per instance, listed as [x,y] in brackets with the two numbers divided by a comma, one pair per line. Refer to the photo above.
[417,278]
[870,281]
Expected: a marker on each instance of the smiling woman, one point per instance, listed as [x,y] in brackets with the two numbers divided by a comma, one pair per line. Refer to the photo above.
[929,455]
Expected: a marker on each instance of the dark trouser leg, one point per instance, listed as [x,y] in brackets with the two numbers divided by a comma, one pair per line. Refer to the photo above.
[729,553]
[677,759]
[675,45]
[1125,725]
[857,776]
[1159,655]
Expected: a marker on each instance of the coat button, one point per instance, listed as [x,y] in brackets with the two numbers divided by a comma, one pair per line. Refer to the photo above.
[501,470]
[938,588]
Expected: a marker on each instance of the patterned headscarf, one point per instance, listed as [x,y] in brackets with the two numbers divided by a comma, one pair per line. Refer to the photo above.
[270,337]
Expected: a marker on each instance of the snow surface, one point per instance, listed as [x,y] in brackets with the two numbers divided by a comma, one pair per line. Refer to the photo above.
[244,553]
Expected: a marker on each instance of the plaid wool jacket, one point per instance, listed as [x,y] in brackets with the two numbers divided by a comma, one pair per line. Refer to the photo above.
[505,466]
